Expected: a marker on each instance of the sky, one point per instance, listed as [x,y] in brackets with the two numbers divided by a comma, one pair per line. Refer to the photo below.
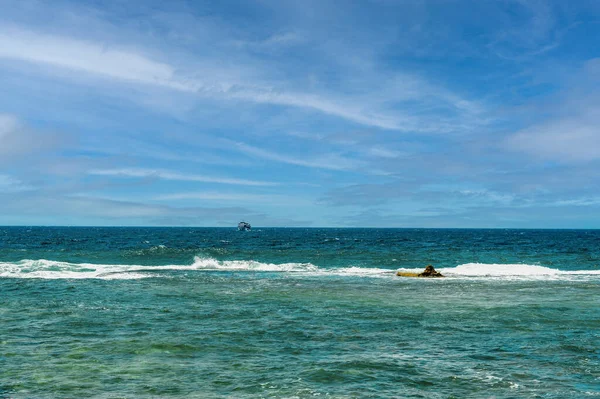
[300,113]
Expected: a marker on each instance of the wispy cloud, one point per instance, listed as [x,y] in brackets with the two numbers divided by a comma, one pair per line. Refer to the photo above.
[213,196]
[570,140]
[86,210]
[9,184]
[585,202]
[8,124]
[531,35]
[487,196]
[17,140]
[329,161]
[570,131]
[236,197]
[112,62]
[272,43]
[168,175]
[380,152]
[80,55]
[130,64]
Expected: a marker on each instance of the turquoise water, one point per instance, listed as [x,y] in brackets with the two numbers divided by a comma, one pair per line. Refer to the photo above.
[298,313]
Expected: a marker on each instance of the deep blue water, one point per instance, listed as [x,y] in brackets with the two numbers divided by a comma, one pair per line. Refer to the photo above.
[298,313]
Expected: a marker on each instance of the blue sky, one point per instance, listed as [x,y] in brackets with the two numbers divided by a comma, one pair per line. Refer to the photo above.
[434,113]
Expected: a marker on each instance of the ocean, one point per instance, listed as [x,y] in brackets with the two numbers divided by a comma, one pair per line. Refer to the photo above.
[99,312]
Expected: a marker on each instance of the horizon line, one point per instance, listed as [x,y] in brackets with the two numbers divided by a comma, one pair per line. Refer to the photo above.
[307,227]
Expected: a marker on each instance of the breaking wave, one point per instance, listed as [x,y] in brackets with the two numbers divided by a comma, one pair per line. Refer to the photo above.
[516,271]
[49,269]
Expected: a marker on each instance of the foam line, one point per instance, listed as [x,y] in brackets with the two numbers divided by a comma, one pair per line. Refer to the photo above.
[499,270]
[49,269]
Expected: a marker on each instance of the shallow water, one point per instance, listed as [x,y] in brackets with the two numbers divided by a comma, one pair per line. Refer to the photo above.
[295,313]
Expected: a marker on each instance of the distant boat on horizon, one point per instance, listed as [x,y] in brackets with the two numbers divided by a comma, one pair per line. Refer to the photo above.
[245,226]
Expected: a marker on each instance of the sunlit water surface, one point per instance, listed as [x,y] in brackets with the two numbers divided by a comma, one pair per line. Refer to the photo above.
[298,313]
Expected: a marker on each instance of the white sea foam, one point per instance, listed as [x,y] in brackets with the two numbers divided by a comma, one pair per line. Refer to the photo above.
[250,265]
[508,272]
[49,269]
[360,271]
[511,270]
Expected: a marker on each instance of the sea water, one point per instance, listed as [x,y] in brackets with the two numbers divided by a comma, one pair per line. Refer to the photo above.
[298,313]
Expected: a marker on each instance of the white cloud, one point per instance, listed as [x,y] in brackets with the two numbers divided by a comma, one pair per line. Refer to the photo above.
[578,202]
[18,140]
[329,161]
[533,34]
[9,184]
[271,43]
[569,140]
[247,82]
[84,210]
[306,136]
[488,195]
[341,108]
[115,63]
[213,196]
[85,56]
[239,197]
[8,124]
[380,152]
[168,175]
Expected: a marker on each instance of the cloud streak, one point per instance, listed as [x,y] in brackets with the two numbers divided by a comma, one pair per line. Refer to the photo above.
[569,140]
[9,184]
[235,197]
[330,161]
[114,63]
[20,143]
[571,132]
[118,62]
[97,211]
[85,56]
[169,175]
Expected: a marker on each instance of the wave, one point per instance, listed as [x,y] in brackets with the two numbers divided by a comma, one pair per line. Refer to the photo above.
[49,269]
[503,270]
[507,270]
